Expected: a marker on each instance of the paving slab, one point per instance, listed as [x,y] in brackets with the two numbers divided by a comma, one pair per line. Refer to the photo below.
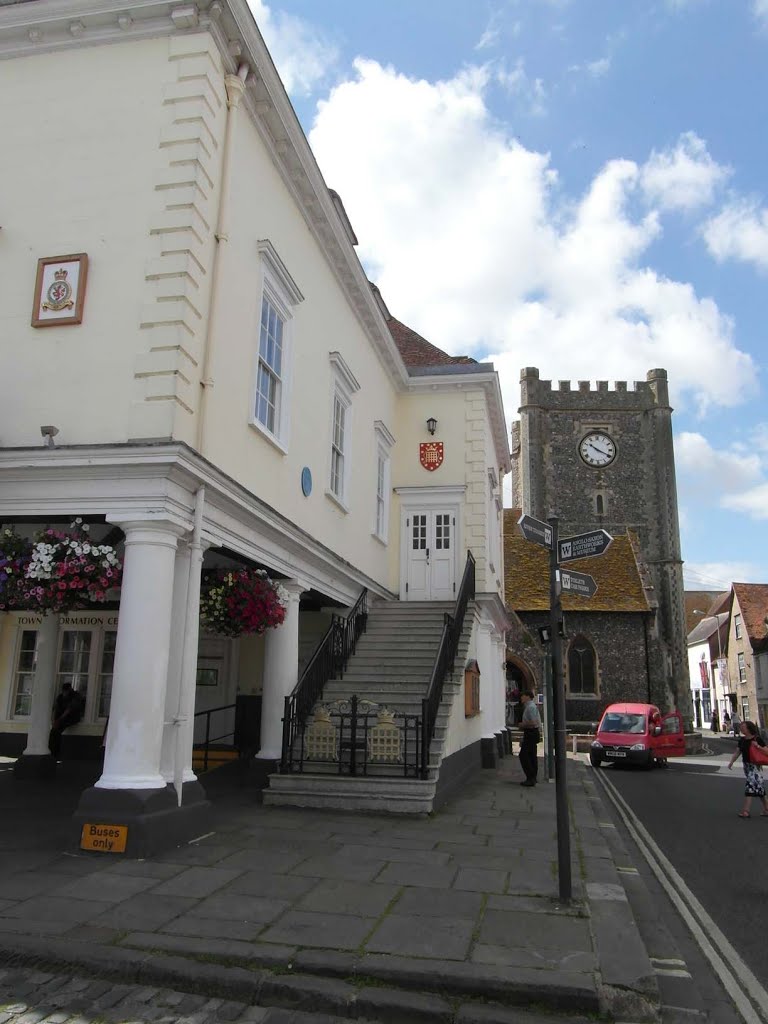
[451,909]
[440,938]
[330,931]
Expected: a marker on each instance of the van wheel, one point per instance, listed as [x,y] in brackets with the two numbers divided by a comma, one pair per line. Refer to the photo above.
[661,762]
[595,760]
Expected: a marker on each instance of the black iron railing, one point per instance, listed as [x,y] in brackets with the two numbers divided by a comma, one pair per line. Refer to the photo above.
[329,661]
[205,746]
[446,656]
[358,737]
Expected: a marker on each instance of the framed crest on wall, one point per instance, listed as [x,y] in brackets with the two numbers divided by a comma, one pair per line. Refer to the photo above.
[60,290]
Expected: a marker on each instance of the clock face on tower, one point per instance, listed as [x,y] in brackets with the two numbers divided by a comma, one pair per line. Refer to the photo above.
[597,449]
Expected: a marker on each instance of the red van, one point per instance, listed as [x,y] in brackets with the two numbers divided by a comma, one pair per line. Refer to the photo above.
[637,734]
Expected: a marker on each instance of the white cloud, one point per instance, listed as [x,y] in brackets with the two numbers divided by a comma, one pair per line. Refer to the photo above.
[760,11]
[759,437]
[684,177]
[594,68]
[739,232]
[735,478]
[516,82]
[711,470]
[754,502]
[718,576]
[474,244]
[302,53]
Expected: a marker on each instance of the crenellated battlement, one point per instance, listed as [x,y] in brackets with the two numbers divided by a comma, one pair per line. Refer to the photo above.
[653,392]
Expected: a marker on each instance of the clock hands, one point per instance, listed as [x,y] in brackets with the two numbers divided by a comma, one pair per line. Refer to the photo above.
[600,451]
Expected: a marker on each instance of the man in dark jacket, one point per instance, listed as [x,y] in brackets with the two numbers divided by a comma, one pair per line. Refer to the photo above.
[67,710]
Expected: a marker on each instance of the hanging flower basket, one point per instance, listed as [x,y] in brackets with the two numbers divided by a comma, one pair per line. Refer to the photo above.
[57,572]
[15,554]
[237,602]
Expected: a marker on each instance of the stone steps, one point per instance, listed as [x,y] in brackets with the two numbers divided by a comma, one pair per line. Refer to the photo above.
[392,666]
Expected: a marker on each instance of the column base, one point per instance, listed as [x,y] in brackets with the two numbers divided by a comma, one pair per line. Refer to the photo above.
[35,766]
[488,752]
[500,745]
[152,818]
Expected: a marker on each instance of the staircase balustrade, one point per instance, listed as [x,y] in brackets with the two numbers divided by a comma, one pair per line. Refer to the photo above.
[329,660]
[444,660]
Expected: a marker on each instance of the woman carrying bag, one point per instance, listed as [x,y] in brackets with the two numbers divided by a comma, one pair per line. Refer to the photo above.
[754,754]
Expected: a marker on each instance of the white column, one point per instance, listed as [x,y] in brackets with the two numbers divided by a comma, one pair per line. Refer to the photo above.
[485,657]
[43,687]
[499,680]
[281,667]
[173,689]
[178,735]
[134,736]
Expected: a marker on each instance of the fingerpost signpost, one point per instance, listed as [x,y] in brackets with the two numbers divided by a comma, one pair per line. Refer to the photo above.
[584,545]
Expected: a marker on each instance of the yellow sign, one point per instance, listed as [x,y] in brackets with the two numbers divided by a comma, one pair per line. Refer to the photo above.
[104,838]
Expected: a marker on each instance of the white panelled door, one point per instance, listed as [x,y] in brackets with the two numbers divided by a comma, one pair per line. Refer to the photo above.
[431,555]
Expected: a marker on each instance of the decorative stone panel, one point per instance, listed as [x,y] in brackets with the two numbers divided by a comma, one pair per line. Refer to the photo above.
[181,237]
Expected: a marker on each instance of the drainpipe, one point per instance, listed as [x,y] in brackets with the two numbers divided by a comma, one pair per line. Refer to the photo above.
[185,710]
[235,86]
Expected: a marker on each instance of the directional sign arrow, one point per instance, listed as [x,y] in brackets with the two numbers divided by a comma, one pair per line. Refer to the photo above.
[536,530]
[584,545]
[578,583]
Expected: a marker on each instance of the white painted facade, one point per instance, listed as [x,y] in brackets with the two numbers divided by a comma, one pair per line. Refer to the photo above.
[138,137]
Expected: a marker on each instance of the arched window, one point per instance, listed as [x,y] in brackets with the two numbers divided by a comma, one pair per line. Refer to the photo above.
[582,666]
[599,505]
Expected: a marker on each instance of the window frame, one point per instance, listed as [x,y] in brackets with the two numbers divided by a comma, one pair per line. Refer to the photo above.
[343,386]
[13,714]
[586,694]
[737,630]
[742,665]
[280,291]
[383,499]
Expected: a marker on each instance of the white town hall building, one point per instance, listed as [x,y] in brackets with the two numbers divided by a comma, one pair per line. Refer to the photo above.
[184,317]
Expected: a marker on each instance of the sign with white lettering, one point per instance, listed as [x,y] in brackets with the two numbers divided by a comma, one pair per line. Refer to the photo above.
[584,545]
[578,583]
[104,838]
[536,530]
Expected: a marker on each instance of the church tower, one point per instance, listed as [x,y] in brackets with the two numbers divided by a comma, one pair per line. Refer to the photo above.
[604,458]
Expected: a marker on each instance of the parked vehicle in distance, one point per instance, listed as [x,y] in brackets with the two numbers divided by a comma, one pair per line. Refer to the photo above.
[637,734]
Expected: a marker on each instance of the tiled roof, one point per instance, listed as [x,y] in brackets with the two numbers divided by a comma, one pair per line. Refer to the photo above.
[417,351]
[703,602]
[526,575]
[753,603]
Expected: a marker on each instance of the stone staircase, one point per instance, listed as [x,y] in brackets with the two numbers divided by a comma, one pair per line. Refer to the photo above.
[391,667]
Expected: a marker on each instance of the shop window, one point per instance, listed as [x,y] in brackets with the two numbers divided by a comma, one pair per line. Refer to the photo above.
[24,674]
[85,658]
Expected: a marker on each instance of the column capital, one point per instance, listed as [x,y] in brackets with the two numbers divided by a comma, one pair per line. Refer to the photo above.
[150,529]
[294,588]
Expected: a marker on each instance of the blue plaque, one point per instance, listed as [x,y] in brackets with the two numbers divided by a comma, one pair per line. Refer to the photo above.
[306,482]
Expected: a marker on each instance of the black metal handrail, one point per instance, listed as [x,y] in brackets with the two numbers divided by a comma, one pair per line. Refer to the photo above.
[444,660]
[330,659]
[205,746]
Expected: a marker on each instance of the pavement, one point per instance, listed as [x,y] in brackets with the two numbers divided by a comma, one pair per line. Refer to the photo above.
[453,917]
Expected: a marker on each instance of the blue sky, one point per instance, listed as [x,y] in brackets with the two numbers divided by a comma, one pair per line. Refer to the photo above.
[577,185]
